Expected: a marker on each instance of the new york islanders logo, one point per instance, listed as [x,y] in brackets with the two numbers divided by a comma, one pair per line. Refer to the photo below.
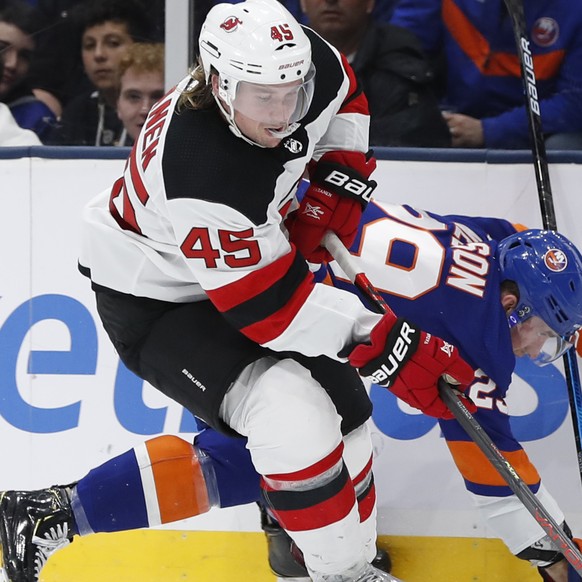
[545,31]
[555,260]
[231,23]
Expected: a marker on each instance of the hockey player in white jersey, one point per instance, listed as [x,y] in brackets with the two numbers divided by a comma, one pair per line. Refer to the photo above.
[497,293]
[205,296]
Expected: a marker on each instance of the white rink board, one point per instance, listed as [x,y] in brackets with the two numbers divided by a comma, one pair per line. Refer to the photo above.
[69,410]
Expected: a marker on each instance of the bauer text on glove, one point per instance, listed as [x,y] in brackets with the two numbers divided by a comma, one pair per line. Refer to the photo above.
[410,362]
[339,191]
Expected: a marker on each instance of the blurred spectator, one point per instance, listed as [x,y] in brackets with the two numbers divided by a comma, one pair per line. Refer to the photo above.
[484,91]
[57,73]
[108,28]
[394,73]
[381,13]
[17,43]
[141,84]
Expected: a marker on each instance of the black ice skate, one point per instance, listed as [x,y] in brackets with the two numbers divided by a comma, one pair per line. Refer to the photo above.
[33,525]
[286,559]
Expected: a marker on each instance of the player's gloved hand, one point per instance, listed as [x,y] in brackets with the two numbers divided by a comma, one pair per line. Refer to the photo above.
[410,362]
[339,191]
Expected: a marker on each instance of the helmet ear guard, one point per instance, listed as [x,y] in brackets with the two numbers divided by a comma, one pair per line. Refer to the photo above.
[547,269]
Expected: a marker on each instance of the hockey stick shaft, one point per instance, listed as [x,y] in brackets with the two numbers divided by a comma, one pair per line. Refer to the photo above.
[472,427]
[517,16]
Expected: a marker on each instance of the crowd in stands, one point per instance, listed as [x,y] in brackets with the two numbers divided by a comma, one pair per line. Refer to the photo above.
[437,73]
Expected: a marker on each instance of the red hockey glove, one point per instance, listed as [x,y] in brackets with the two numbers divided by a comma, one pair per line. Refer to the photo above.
[410,362]
[335,199]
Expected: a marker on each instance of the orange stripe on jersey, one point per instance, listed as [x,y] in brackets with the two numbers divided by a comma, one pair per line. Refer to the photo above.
[180,485]
[476,47]
[475,467]
[504,64]
[251,285]
[273,326]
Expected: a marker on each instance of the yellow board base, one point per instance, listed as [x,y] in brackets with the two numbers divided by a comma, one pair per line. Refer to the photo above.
[186,556]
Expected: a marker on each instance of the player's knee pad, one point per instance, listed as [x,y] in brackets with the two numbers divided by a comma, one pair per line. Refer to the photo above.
[543,553]
[288,418]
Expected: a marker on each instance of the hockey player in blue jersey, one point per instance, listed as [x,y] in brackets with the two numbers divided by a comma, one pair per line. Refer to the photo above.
[476,282]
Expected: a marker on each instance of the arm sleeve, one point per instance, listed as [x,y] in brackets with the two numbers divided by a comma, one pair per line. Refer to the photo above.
[349,128]
[560,110]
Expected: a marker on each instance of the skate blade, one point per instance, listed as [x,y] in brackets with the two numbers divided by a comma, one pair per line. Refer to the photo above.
[303,579]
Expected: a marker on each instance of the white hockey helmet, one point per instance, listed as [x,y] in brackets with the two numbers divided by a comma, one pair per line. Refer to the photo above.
[257,42]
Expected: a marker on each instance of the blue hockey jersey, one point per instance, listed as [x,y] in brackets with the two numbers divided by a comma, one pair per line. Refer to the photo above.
[441,272]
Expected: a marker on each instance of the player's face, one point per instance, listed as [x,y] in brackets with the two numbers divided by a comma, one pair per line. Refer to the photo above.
[103,47]
[534,338]
[261,111]
[16,49]
[138,92]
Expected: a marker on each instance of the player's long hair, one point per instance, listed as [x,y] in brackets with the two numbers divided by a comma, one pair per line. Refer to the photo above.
[198,93]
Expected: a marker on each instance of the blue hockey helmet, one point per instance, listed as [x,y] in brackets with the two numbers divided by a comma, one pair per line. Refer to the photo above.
[547,269]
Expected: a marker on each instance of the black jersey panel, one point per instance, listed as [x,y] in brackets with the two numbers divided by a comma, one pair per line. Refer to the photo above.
[220,168]
[329,75]
[272,299]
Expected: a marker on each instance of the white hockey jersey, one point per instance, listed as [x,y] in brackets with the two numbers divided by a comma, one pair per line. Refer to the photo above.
[198,215]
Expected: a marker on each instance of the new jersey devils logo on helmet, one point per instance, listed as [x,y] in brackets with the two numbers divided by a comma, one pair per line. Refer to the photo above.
[231,23]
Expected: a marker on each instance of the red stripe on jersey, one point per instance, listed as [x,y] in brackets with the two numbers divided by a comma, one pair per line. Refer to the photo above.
[317,516]
[354,102]
[283,211]
[251,285]
[136,180]
[273,326]
[312,471]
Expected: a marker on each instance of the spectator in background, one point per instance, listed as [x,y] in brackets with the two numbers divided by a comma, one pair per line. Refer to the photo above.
[381,12]
[141,84]
[390,65]
[108,28]
[57,73]
[17,28]
[484,93]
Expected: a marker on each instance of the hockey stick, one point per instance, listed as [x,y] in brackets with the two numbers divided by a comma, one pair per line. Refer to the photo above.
[516,13]
[472,427]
